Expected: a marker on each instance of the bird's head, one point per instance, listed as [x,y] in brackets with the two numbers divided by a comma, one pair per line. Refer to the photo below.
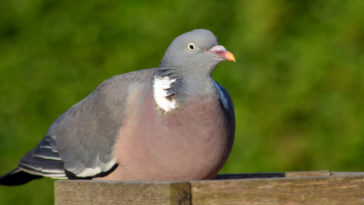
[197,51]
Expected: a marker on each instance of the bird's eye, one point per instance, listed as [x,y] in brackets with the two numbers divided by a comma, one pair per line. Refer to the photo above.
[191,46]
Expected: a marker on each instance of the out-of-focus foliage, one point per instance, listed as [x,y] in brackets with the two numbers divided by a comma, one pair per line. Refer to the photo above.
[297,86]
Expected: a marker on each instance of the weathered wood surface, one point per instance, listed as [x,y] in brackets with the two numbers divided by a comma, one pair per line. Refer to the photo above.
[320,187]
[72,192]
[307,190]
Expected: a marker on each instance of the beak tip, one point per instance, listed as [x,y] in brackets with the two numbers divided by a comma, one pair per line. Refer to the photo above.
[230,56]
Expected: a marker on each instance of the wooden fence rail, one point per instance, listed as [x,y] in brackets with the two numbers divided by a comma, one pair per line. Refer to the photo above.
[319,187]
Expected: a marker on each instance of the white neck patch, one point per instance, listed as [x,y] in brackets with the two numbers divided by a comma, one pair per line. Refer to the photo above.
[160,93]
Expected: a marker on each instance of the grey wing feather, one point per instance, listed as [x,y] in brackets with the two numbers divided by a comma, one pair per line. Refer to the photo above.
[80,142]
[43,160]
[87,132]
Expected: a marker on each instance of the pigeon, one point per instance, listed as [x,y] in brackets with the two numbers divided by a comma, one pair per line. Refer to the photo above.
[173,122]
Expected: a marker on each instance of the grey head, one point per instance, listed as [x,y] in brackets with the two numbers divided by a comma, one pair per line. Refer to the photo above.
[186,67]
[195,52]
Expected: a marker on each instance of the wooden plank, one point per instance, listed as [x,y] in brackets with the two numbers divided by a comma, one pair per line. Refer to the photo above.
[308,174]
[347,173]
[318,187]
[82,192]
[271,191]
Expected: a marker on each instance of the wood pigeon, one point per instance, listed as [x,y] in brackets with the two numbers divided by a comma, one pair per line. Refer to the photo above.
[173,122]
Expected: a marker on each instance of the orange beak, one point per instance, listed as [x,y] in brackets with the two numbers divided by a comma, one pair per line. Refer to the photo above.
[229,56]
[222,52]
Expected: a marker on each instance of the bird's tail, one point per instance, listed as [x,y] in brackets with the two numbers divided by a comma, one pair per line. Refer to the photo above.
[42,161]
[17,177]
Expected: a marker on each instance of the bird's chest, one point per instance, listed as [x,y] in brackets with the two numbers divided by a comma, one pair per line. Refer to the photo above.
[187,143]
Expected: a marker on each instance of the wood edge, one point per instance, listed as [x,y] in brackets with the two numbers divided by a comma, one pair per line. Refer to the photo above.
[308,174]
[196,183]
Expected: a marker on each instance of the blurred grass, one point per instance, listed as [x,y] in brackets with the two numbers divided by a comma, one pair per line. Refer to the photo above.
[297,86]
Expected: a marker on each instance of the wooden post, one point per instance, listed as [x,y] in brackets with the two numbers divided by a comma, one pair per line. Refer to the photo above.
[322,187]
[79,192]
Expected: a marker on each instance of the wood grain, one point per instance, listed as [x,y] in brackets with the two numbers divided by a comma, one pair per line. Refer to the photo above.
[319,187]
[305,190]
[81,192]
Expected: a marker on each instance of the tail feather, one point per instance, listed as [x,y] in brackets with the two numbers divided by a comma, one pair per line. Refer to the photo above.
[17,177]
[42,161]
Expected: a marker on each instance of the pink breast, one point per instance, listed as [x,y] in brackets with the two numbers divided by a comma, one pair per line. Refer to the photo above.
[191,142]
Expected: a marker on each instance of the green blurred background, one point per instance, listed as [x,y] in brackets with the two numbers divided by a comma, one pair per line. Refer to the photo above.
[298,84]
